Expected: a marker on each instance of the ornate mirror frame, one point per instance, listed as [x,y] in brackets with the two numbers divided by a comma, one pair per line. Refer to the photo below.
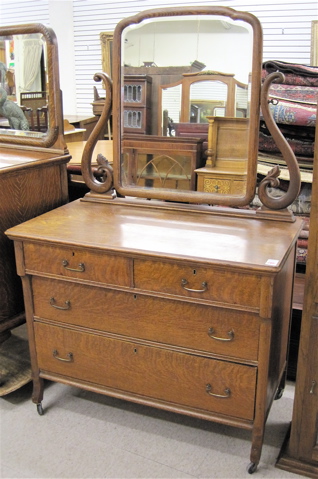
[193,196]
[54,103]
[110,181]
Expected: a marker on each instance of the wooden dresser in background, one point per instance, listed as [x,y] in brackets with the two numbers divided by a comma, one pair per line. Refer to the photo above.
[31,183]
[33,172]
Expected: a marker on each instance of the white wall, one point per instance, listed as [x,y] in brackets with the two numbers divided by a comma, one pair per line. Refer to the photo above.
[58,14]
[221,48]
[286,26]
[61,20]
[78,23]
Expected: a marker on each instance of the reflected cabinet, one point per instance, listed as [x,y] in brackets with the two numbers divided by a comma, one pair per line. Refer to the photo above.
[137,94]
[149,288]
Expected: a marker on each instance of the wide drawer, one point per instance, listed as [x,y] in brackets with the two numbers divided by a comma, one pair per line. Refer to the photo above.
[179,378]
[78,263]
[212,284]
[178,323]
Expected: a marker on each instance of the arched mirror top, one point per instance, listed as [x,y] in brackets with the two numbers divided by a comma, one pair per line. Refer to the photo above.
[202,94]
[30,100]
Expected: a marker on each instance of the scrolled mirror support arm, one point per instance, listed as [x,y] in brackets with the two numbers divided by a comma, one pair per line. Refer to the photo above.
[272,178]
[104,170]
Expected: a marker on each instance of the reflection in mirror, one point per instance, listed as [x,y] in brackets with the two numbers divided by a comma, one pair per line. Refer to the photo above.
[23,96]
[207,99]
[201,95]
[241,101]
[154,162]
[30,83]
[171,108]
[191,69]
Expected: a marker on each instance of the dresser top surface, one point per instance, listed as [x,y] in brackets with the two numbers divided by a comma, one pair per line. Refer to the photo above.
[16,158]
[164,233]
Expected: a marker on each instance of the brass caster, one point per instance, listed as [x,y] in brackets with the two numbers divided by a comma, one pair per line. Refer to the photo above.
[251,468]
[39,409]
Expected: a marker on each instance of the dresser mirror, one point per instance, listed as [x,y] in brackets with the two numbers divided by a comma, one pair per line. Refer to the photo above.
[211,39]
[185,101]
[30,102]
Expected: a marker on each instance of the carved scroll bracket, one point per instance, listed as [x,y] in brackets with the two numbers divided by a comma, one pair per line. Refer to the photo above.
[102,180]
[272,177]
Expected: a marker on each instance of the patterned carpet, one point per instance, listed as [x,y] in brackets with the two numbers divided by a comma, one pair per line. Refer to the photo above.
[15,368]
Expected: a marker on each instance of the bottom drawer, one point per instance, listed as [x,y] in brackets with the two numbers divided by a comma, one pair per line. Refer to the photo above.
[179,378]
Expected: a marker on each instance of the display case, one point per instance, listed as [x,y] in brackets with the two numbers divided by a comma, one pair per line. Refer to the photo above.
[137,108]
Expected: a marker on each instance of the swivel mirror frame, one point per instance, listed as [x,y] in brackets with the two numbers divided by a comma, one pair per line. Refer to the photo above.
[55,118]
[111,179]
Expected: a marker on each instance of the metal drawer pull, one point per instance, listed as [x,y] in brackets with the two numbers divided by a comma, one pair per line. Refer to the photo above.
[312,389]
[229,333]
[204,286]
[222,396]
[81,266]
[67,304]
[69,357]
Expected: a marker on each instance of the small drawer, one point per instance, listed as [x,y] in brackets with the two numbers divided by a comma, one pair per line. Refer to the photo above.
[78,264]
[211,284]
[178,378]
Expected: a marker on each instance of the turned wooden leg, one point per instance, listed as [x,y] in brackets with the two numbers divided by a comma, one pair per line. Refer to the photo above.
[256,449]
[37,393]
[281,386]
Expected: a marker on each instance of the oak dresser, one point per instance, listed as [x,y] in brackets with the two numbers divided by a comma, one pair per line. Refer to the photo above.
[32,182]
[184,311]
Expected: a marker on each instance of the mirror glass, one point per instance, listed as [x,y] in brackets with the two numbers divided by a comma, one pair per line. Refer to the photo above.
[190,133]
[207,98]
[30,99]
[23,85]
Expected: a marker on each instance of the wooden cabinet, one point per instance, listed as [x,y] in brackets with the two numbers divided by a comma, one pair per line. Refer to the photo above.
[32,182]
[222,181]
[137,107]
[299,453]
[188,312]
[225,171]
[156,161]
[137,94]
[160,76]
